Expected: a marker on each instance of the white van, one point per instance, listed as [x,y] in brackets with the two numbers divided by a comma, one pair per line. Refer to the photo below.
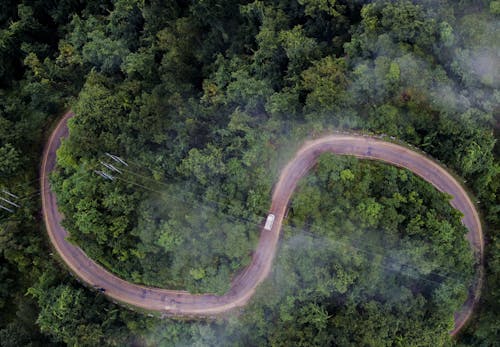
[269,222]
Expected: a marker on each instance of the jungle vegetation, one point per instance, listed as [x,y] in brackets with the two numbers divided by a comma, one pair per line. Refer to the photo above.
[206,100]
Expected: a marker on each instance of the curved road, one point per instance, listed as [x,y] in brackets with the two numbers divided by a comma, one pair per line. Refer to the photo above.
[243,286]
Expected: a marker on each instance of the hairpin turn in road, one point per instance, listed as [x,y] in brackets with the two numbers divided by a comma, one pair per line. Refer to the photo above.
[243,286]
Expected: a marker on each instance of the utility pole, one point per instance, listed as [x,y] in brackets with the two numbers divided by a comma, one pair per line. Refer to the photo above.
[105,175]
[6,209]
[117,159]
[10,194]
[8,203]
[111,167]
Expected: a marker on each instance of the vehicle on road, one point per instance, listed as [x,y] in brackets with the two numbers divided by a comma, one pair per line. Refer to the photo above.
[269,222]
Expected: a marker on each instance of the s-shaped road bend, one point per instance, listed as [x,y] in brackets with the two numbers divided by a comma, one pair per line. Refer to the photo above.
[243,286]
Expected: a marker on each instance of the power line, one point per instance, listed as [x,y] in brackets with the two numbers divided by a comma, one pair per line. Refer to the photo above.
[234,218]
[307,225]
[39,191]
[246,220]
[205,198]
[369,252]
[346,244]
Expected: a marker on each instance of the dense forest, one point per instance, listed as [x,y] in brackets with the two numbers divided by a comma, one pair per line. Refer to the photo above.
[206,101]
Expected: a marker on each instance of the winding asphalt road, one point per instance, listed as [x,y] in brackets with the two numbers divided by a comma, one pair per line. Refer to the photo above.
[243,286]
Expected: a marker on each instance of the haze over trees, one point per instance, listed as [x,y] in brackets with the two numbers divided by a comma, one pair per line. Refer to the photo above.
[206,100]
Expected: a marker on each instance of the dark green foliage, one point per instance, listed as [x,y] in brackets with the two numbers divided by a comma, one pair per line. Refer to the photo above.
[356,268]
[207,101]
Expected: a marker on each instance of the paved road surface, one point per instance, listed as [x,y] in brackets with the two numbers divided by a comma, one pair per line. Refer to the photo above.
[182,303]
